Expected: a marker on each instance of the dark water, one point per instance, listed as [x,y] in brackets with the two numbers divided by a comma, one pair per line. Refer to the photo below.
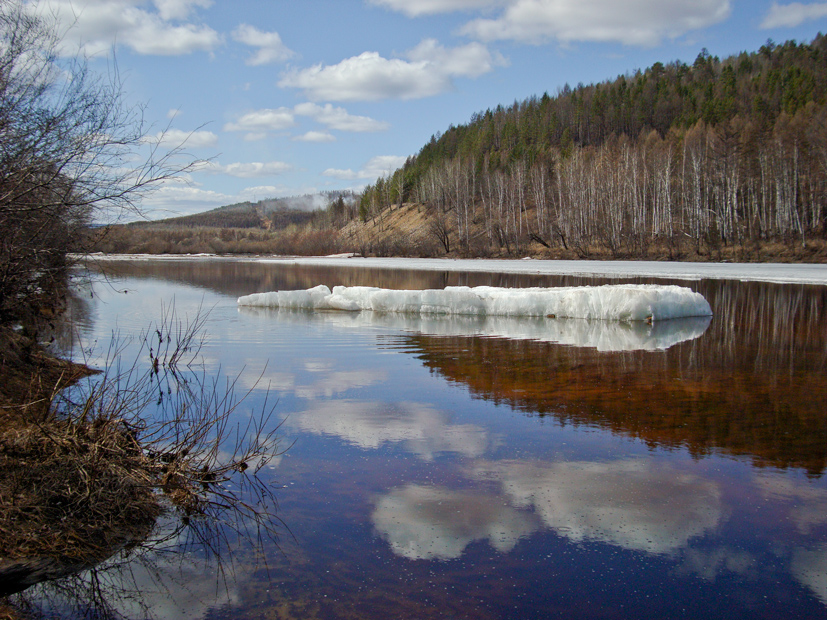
[454,469]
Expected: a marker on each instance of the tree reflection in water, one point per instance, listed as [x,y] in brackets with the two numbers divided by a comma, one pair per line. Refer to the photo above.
[686,397]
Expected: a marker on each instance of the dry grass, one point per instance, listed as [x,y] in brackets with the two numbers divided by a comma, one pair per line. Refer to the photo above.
[87,471]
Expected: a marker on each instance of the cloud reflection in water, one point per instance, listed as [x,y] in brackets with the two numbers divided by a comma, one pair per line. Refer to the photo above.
[435,523]
[809,567]
[625,503]
[421,430]
[628,503]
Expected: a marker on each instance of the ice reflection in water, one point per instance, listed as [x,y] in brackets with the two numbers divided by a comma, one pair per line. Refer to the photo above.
[601,335]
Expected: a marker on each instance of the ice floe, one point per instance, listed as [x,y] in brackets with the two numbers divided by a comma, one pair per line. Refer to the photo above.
[620,302]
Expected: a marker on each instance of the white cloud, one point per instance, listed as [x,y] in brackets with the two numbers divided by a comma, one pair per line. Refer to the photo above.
[276,380]
[381,165]
[269,44]
[96,26]
[179,9]
[251,170]
[162,40]
[378,166]
[472,60]
[367,77]
[173,138]
[258,122]
[793,14]
[345,174]
[172,200]
[262,121]
[338,118]
[370,77]
[634,22]
[315,136]
[415,8]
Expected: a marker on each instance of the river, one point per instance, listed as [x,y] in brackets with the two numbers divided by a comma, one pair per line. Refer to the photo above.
[457,468]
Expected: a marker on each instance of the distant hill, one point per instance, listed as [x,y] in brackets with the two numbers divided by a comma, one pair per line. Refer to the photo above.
[271,213]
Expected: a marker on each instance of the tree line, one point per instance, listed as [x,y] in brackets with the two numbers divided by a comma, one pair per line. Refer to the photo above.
[720,152]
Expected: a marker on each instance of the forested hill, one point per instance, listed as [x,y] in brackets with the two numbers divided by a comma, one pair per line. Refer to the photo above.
[758,87]
[716,152]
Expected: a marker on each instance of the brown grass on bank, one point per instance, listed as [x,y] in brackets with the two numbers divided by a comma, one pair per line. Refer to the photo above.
[409,230]
[70,495]
[303,241]
[86,472]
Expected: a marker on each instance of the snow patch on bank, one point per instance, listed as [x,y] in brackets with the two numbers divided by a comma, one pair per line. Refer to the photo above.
[621,302]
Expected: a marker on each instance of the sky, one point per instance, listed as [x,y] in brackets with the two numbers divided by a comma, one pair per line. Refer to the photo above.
[291,97]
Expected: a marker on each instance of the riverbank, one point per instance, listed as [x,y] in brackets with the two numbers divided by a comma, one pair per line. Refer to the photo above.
[782,273]
[88,467]
[415,231]
[74,484]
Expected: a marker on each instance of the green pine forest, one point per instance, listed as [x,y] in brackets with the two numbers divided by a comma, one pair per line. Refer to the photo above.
[675,159]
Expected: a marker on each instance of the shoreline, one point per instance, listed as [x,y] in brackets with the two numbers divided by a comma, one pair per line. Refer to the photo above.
[777,273]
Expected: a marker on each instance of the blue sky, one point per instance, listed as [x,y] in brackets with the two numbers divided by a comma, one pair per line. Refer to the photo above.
[288,97]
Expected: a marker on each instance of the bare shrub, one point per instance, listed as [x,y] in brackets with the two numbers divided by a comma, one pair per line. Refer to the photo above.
[69,146]
[115,452]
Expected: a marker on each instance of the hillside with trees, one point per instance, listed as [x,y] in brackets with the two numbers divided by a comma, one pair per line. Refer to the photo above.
[677,160]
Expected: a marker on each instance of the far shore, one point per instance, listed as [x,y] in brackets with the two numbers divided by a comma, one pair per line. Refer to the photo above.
[783,273]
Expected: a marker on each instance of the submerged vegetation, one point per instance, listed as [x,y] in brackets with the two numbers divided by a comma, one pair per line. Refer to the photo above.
[87,470]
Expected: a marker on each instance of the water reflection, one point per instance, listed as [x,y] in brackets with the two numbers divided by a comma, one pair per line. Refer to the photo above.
[693,397]
[809,566]
[601,335]
[635,504]
[164,578]
[807,505]
[625,503]
[486,470]
[436,523]
[421,430]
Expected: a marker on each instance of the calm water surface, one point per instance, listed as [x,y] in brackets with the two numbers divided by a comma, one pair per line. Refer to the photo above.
[454,468]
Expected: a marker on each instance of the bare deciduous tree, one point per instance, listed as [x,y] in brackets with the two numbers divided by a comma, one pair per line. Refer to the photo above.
[68,150]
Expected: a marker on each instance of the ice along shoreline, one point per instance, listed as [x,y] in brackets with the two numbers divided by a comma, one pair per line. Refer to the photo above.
[781,273]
